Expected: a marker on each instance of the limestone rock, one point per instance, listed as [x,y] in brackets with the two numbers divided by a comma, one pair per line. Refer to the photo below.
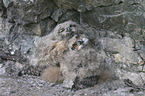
[70,15]
[42,28]
[28,11]
[125,49]
[137,78]
[18,39]
[57,15]
[67,4]
[126,17]
[4,28]
[84,5]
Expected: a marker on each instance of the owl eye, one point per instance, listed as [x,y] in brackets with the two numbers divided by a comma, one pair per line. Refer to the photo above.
[74,46]
[61,30]
[77,37]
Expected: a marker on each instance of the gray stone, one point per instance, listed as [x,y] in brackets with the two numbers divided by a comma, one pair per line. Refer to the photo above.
[17,39]
[7,2]
[137,78]
[57,15]
[28,11]
[83,5]
[82,8]
[67,4]
[124,47]
[42,28]
[4,28]
[30,85]
[122,17]
[122,92]
[24,42]
[104,17]
[70,15]
[18,36]
[62,15]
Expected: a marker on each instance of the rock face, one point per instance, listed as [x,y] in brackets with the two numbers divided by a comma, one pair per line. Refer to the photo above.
[83,5]
[124,49]
[25,12]
[42,28]
[83,38]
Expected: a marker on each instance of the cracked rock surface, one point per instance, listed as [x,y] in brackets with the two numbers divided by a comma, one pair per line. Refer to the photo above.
[35,86]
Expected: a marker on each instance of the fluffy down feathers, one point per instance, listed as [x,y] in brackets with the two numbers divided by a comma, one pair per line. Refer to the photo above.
[52,75]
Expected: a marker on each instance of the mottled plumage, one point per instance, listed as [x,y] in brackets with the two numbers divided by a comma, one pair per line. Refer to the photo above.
[31,70]
[85,82]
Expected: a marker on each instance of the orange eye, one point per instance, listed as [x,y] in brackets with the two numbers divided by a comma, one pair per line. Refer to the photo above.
[75,46]
[61,30]
[78,37]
